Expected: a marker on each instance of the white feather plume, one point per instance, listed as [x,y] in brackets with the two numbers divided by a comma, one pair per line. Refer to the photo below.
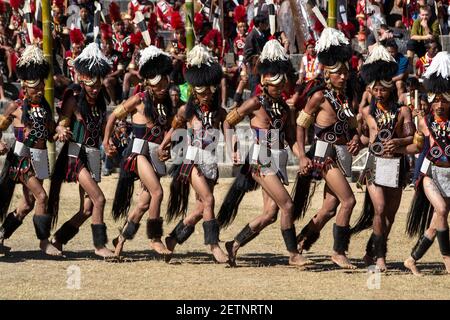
[440,65]
[31,54]
[199,55]
[330,37]
[379,52]
[150,52]
[273,51]
[92,53]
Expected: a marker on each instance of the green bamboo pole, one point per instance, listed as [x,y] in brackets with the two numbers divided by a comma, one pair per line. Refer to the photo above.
[49,83]
[190,39]
[332,9]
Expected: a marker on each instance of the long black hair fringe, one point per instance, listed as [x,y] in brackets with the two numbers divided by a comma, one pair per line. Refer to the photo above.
[365,220]
[58,177]
[242,184]
[179,195]
[420,214]
[301,195]
[124,189]
[7,185]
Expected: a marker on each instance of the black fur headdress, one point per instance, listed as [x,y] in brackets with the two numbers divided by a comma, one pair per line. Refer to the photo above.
[92,62]
[379,66]
[333,47]
[32,64]
[153,61]
[437,76]
[202,70]
[274,59]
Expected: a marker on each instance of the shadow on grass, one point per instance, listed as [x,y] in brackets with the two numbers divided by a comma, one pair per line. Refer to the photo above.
[248,260]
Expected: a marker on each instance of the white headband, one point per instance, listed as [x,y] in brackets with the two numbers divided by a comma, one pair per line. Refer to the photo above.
[203,89]
[386,84]
[275,80]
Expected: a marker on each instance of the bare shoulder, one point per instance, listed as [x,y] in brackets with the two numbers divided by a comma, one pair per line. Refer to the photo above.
[314,102]
[249,106]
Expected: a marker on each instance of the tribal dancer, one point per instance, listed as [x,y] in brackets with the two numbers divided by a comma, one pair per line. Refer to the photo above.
[151,115]
[390,128]
[80,126]
[267,160]
[431,204]
[27,160]
[330,157]
[203,116]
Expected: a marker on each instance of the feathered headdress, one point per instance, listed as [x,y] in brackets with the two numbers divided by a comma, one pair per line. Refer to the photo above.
[92,62]
[114,12]
[176,22]
[58,4]
[333,48]
[437,76]
[32,64]
[106,31]
[154,62]
[16,4]
[198,22]
[202,69]
[76,36]
[379,66]
[273,59]
[240,15]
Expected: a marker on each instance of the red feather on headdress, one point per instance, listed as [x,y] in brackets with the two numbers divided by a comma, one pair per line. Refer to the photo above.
[37,33]
[58,3]
[16,4]
[76,36]
[198,22]
[214,36]
[114,12]
[310,42]
[106,31]
[176,21]
[240,14]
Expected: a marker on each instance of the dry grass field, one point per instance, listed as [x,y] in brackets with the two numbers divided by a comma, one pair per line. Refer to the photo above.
[263,271]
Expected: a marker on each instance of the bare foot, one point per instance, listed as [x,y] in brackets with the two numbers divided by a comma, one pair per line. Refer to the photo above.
[342,261]
[381,264]
[410,263]
[368,260]
[219,255]
[447,263]
[118,245]
[299,261]
[57,245]
[104,252]
[170,245]
[49,248]
[159,247]
[232,252]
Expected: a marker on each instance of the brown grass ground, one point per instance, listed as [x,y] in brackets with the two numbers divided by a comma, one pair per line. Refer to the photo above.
[263,271]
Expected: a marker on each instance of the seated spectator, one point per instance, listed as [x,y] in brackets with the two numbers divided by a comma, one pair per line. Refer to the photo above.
[425,28]
[402,61]
[433,47]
